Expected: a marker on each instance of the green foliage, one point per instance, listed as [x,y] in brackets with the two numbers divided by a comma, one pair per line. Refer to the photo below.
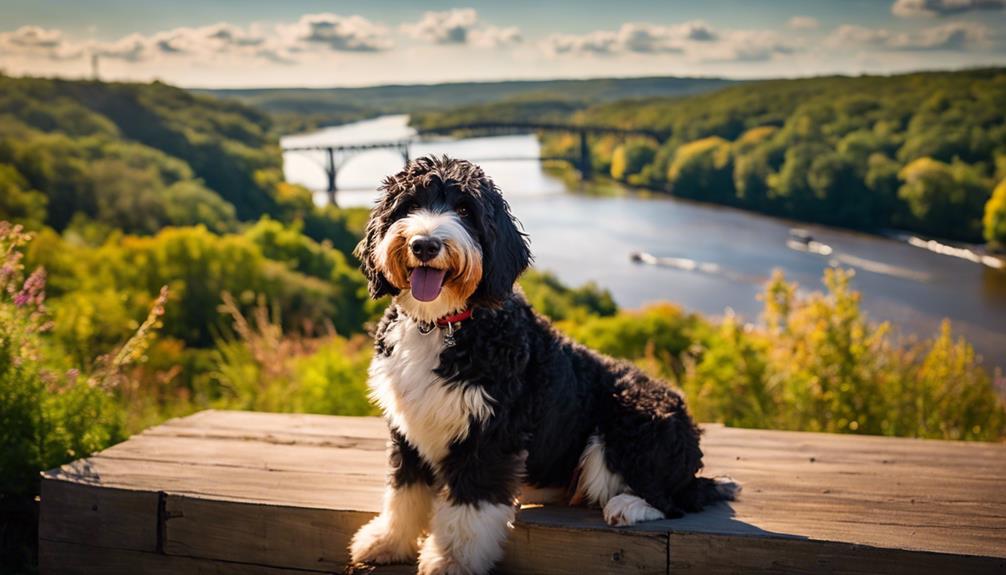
[49,414]
[936,193]
[631,158]
[818,364]
[21,204]
[702,169]
[117,152]
[259,367]
[994,222]
[311,284]
[835,149]
[550,297]
[660,335]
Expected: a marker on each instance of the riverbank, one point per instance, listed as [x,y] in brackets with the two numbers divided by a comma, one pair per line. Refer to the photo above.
[605,186]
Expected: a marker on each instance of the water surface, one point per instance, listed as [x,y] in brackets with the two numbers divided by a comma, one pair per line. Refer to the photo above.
[718,257]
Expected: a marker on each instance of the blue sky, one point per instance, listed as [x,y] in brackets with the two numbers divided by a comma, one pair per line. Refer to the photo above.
[317,43]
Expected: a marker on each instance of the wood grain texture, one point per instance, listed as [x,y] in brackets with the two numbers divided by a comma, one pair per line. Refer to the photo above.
[570,550]
[701,553]
[98,516]
[281,491]
[61,558]
[275,535]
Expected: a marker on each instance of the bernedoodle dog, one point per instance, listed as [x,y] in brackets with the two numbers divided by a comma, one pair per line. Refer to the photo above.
[485,398]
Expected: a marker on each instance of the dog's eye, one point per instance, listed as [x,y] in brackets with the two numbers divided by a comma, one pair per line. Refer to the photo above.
[461,211]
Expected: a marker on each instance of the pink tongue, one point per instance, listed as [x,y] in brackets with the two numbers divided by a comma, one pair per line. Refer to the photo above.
[426,283]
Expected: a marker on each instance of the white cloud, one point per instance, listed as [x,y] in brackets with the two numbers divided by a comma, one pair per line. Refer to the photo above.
[132,48]
[696,40]
[914,8]
[37,41]
[954,36]
[282,43]
[460,26]
[447,27]
[339,33]
[803,23]
[494,37]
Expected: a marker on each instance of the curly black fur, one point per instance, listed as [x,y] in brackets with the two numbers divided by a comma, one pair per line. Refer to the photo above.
[549,394]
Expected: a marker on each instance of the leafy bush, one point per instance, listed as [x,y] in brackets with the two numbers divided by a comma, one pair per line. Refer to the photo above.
[550,297]
[49,413]
[259,367]
[994,221]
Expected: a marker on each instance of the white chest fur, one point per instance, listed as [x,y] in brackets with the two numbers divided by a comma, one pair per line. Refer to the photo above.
[428,412]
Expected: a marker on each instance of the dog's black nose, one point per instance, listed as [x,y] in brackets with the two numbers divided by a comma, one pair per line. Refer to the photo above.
[425,248]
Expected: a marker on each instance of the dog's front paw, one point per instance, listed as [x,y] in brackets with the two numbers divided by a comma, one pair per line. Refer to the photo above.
[376,543]
[433,560]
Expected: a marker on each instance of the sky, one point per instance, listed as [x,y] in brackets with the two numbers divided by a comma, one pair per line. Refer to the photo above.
[270,43]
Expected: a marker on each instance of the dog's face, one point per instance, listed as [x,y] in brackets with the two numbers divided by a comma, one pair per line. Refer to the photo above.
[442,238]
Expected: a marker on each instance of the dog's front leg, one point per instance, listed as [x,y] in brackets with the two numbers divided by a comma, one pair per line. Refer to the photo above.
[473,514]
[393,536]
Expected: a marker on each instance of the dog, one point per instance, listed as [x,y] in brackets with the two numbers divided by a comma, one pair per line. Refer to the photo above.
[485,399]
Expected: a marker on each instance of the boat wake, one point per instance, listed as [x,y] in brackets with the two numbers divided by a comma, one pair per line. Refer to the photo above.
[690,265]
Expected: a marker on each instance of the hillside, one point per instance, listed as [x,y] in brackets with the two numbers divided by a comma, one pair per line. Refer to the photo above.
[337,105]
[917,151]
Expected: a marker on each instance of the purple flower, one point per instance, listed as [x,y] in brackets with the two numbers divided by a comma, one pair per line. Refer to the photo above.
[33,291]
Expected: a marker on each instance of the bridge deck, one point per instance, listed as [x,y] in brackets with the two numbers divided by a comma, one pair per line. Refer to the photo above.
[234,492]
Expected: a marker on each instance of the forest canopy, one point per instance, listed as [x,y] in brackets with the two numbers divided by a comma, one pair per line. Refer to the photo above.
[919,152]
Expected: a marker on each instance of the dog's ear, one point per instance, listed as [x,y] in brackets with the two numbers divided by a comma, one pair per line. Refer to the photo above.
[377,282]
[505,250]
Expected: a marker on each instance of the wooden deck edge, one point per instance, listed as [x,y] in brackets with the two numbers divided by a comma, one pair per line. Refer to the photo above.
[86,528]
[64,558]
[695,552]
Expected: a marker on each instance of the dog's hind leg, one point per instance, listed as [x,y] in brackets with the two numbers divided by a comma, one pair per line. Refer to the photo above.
[627,509]
[599,485]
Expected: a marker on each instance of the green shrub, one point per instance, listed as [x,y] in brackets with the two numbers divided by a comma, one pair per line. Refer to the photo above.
[49,413]
[259,367]
[550,297]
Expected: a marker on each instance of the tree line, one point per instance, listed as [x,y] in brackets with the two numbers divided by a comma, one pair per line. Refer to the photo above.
[920,152]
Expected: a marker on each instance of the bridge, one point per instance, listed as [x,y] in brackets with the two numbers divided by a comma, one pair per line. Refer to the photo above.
[336,155]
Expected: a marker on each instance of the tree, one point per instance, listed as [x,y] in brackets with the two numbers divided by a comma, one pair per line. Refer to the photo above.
[631,157]
[994,222]
[940,196]
[18,203]
[703,169]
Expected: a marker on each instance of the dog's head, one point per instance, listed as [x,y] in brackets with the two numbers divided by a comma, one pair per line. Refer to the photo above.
[442,238]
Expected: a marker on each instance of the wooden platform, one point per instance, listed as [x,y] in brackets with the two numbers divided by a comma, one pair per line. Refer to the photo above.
[233,492]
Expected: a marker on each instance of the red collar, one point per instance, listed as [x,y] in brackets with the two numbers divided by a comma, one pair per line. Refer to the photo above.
[455,318]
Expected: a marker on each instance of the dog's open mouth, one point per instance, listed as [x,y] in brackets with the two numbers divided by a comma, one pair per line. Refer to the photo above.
[427,282]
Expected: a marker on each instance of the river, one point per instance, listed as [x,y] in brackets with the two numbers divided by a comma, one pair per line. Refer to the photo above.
[712,258]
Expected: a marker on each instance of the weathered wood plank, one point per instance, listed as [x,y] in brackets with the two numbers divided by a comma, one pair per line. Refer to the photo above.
[259,423]
[319,490]
[701,553]
[98,516]
[534,549]
[61,558]
[276,535]
[253,454]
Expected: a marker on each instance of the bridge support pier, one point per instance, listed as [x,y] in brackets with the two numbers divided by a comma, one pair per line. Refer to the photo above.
[586,172]
[331,171]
